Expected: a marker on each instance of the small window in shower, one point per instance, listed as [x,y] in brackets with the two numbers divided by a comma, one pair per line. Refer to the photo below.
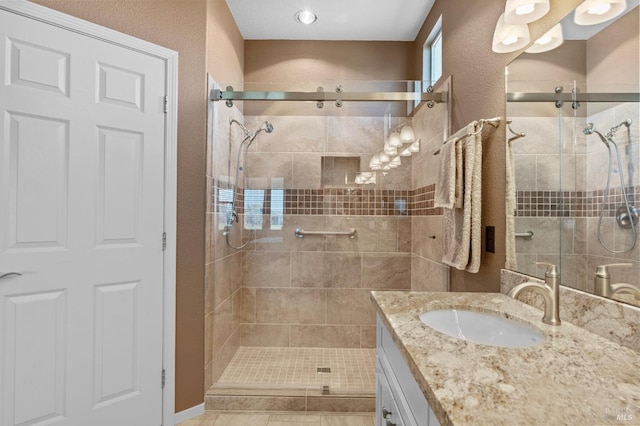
[253,208]
[340,172]
[276,204]
[225,206]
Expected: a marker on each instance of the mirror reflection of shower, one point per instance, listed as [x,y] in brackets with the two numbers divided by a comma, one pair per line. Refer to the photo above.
[627,214]
[242,165]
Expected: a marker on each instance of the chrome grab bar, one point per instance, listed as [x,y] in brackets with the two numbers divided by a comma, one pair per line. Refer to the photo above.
[527,235]
[300,233]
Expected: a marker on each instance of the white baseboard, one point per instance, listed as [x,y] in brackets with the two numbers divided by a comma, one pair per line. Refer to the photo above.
[185,415]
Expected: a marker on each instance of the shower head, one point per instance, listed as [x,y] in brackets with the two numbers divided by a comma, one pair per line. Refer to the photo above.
[590,129]
[266,126]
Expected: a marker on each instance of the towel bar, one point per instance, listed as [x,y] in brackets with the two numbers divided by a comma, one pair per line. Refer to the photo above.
[495,122]
[300,233]
[527,235]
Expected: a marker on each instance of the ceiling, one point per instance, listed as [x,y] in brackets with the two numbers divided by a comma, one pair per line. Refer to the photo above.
[368,20]
[371,20]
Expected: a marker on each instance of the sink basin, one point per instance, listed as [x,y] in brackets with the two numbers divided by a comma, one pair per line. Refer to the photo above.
[482,327]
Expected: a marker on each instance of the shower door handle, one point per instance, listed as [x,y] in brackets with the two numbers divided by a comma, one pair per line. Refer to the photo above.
[10,274]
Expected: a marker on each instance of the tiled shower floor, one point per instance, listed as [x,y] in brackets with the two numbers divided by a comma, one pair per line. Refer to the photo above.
[350,369]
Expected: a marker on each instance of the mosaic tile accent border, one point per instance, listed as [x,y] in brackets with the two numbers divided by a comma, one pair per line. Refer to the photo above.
[333,201]
[571,203]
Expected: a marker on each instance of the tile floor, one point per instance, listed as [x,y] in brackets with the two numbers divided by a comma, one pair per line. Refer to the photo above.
[239,418]
[351,369]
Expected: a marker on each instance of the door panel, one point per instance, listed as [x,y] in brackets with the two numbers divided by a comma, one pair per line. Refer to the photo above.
[38,375]
[123,87]
[120,178]
[38,158]
[116,325]
[38,67]
[81,217]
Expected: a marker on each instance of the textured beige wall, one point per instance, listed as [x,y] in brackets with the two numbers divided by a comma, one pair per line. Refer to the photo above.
[179,25]
[225,45]
[478,92]
[307,61]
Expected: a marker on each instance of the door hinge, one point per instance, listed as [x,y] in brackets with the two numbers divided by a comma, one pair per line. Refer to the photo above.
[164,241]
[166,103]
[164,378]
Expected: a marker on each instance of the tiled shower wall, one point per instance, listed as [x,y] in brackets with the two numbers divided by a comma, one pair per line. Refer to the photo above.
[314,292]
[573,213]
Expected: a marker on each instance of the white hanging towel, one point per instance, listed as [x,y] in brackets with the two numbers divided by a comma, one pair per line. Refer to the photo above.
[511,205]
[462,232]
[449,184]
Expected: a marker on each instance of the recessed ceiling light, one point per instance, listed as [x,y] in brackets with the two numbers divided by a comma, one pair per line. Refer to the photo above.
[306,17]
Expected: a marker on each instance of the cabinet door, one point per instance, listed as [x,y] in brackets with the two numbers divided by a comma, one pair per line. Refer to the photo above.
[386,408]
[414,410]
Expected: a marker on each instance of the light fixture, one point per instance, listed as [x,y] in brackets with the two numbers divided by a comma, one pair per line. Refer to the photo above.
[390,150]
[406,134]
[306,17]
[415,147]
[394,140]
[406,152]
[395,163]
[549,41]
[525,11]
[593,12]
[384,158]
[365,178]
[509,37]
[375,163]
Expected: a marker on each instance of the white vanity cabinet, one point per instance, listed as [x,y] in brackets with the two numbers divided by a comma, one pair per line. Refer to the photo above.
[399,400]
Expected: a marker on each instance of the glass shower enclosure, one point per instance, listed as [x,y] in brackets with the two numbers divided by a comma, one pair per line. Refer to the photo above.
[303,224]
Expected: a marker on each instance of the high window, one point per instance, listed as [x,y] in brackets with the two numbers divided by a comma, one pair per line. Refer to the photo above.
[432,56]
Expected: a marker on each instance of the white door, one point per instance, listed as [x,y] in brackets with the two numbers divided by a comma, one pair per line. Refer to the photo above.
[81,218]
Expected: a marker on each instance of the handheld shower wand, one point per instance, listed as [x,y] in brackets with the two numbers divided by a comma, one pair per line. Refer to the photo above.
[241,167]
[626,215]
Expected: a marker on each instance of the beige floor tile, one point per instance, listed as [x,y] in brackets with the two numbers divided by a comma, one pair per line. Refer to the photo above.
[248,418]
[206,419]
[241,419]
[295,419]
[191,422]
[348,420]
[209,415]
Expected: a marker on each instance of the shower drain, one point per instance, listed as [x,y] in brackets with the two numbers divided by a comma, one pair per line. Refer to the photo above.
[323,370]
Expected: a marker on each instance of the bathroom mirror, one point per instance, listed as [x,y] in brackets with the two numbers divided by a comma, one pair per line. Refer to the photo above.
[573,158]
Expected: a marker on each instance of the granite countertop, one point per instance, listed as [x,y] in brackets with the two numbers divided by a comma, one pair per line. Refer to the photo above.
[574,377]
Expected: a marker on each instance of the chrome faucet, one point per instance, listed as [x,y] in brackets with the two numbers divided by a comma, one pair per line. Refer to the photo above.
[550,291]
[603,286]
